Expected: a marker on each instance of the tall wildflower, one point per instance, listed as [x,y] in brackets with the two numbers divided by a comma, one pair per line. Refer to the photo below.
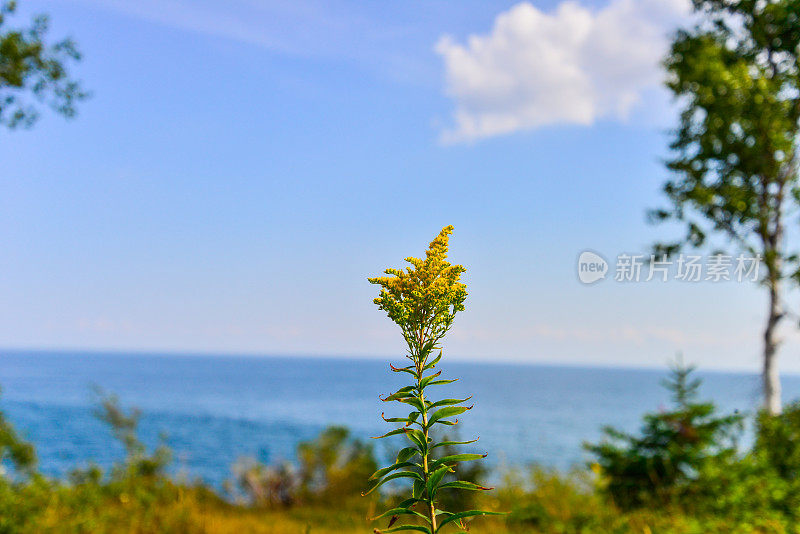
[423,300]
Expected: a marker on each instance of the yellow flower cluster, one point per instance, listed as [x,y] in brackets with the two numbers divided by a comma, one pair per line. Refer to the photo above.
[424,298]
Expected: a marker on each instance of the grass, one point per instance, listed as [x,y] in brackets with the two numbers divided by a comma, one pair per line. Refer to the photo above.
[539,502]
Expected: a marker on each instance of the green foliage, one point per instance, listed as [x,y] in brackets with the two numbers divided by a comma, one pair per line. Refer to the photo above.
[423,301]
[744,491]
[681,384]
[334,465]
[473,472]
[548,501]
[123,426]
[767,480]
[728,494]
[32,70]
[267,486]
[778,441]
[737,78]
[14,451]
[331,468]
[660,465]
[736,75]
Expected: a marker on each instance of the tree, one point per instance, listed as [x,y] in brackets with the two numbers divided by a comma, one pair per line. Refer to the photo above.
[33,71]
[736,75]
[661,464]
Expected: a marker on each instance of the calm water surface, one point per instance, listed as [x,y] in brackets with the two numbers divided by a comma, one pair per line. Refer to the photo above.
[214,410]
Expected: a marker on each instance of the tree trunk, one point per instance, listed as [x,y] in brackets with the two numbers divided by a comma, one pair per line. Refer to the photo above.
[772,383]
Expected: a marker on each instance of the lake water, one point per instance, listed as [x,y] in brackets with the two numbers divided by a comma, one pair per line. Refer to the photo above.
[214,410]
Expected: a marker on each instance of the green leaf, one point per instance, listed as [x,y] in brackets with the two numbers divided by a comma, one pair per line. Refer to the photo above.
[426,380]
[419,487]
[413,401]
[417,438]
[410,370]
[401,393]
[406,420]
[440,382]
[448,402]
[400,510]
[392,433]
[435,478]
[450,411]
[406,454]
[395,476]
[433,362]
[394,467]
[456,458]
[401,528]
[461,515]
[408,502]
[450,443]
[464,485]
[426,349]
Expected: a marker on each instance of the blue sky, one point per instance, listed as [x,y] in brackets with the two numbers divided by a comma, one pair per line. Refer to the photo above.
[241,168]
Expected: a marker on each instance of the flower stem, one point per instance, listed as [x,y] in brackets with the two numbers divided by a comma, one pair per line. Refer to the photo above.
[425,473]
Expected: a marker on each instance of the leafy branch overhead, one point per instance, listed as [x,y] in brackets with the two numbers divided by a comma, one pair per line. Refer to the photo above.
[31,71]
[423,301]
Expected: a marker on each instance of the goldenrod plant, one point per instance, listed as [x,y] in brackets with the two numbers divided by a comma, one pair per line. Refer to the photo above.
[423,300]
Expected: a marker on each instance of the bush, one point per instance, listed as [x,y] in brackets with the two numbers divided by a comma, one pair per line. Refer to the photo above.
[331,468]
[659,466]
[14,451]
[267,486]
[778,441]
[124,425]
[552,502]
[705,485]
[334,466]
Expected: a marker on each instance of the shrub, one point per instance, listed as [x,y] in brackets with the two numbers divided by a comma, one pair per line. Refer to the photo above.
[124,425]
[778,440]
[331,468]
[552,502]
[14,451]
[267,486]
[661,464]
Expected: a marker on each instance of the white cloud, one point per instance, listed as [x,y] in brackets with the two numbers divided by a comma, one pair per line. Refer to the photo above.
[569,66]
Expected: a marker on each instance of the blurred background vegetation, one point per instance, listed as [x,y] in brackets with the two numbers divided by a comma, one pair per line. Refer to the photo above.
[684,471]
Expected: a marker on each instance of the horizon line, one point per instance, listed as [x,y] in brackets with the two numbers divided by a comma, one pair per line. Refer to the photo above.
[166,353]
